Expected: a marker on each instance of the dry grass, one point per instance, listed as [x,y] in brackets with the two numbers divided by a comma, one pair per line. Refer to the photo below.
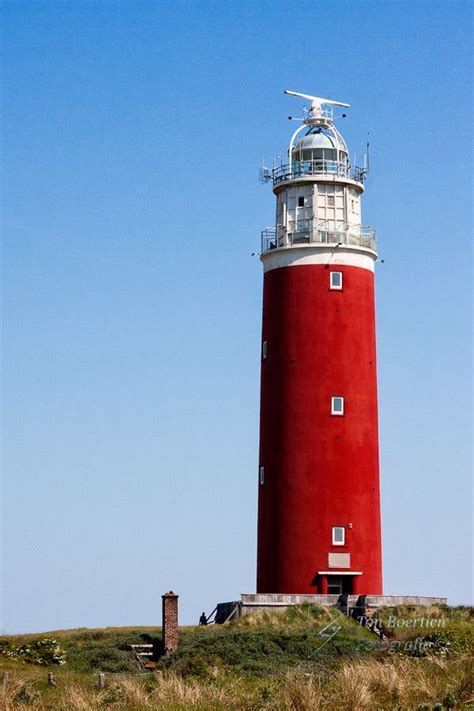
[351,689]
[166,692]
[401,681]
[305,615]
[76,698]
[298,693]
[389,684]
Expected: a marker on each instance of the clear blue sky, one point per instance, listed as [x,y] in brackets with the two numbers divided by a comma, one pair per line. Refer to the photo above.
[133,133]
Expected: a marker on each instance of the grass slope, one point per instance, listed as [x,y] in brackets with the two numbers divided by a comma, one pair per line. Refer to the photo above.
[268,661]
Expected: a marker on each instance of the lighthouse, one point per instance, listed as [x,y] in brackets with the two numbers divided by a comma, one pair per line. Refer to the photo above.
[318,472]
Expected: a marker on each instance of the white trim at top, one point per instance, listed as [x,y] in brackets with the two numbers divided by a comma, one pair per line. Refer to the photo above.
[331,255]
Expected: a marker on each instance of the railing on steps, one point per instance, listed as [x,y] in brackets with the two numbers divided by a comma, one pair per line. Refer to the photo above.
[209,620]
[375,625]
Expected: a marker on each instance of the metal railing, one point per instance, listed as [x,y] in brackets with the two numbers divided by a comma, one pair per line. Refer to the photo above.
[320,167]
[313,232]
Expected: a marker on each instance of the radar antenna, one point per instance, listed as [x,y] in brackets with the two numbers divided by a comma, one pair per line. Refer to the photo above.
[317,102]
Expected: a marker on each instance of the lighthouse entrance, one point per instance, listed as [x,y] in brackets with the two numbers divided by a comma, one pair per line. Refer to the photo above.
[340,585]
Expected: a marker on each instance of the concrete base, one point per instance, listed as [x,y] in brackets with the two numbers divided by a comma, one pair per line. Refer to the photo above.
[249,603]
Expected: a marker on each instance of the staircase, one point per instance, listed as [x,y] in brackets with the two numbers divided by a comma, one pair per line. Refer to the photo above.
[360,612]
[144,654]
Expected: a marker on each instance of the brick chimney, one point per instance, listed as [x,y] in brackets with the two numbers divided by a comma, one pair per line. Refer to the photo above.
[170,622]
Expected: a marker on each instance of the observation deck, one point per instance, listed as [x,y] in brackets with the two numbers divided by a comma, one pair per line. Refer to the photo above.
[314,232]
[314,169]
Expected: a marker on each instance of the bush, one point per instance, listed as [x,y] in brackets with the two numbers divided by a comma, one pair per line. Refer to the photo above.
[450,701]
[107,658]
[42,651]
[200,666]
[99,650]
[26,695]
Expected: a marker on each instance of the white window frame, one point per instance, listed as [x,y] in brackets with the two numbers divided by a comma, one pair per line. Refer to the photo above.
[262,475]
[264,349]
[333,286]
[339,528]
[334,411]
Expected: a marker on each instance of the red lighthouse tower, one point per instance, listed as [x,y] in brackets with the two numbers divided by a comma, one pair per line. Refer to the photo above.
[319,503]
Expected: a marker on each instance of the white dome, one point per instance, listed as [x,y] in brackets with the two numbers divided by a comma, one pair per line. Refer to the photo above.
[317,138]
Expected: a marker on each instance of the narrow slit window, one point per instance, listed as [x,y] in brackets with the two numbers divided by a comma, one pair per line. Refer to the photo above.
[335,280]
[301,201]
[338,536]
[337,405]
[264,349]
[262,475]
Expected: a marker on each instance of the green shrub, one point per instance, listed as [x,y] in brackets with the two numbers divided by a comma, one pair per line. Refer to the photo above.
[99,650]
[44,651]
[450,701]
[26,695]
[115,694]
[106,657]
[201,666]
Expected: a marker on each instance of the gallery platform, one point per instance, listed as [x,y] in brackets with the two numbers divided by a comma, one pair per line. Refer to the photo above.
[256,602]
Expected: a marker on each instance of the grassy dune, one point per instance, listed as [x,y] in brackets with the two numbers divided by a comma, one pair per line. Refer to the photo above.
[269,662]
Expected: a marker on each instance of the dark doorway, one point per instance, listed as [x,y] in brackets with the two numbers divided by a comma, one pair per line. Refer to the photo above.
[339,584]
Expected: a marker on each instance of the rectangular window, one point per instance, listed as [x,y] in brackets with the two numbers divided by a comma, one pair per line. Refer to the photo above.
[337,405]
[331,200]
[338,535]
[264,349]
[262,475]
[301,201]
[335,280]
